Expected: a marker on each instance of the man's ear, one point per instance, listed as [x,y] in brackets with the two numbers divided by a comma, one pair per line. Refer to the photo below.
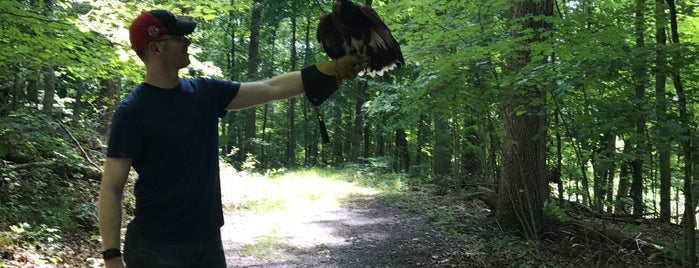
[154,48]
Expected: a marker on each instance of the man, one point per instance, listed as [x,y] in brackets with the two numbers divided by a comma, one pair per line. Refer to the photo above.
[166,129]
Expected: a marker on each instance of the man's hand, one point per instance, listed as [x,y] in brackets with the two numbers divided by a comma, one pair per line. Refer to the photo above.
[345,68]
[114,263]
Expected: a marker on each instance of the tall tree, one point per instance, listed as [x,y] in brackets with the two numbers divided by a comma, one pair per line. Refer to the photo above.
[442,146]
[291,111]
[253,64]
[401,155]
[228,122]
[48,70]
[523,186]
[639,67]
[661,130]
[689,220]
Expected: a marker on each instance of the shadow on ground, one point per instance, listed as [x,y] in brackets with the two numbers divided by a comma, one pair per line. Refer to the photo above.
[361,233]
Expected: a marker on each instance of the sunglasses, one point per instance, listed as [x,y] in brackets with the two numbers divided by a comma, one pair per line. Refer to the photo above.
[179,38]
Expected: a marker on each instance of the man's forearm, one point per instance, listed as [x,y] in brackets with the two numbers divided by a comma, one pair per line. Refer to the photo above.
[109,217]
[286,85]
[116,173]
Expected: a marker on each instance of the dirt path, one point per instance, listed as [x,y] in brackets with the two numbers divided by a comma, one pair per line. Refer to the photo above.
[324,233]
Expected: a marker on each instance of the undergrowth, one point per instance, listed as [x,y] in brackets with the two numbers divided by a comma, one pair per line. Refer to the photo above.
[44,196]
[44,201]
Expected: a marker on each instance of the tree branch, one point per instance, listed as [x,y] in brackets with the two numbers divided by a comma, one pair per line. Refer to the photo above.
[82,151]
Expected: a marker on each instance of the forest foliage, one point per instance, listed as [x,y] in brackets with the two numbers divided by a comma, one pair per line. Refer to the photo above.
[619,124]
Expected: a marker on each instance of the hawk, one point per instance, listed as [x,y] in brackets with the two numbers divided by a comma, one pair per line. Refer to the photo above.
[352,29]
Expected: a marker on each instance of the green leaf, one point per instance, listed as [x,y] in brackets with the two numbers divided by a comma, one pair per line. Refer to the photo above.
[4,150]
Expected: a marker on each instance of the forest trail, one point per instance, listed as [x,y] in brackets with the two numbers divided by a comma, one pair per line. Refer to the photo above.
[315,222]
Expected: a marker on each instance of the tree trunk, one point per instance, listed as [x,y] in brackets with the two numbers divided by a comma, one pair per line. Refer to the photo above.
[311,134]
[686,144]
[441,153]
[623,189]
[380,144]
[366,151]
[78,105]
[229,127]
[49,90]
[401,155]
[495,147]
[358,126]
[263,159]
[110,100]
[662,137]
[523,188]
[639,71]
[253,62]
[559,158]
[423,129]
[33,89]
[291,111]
[603,165]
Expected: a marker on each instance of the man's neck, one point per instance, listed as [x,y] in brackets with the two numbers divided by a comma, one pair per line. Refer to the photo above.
[162,79]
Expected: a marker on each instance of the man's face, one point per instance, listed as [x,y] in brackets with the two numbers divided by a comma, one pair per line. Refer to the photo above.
[174,50]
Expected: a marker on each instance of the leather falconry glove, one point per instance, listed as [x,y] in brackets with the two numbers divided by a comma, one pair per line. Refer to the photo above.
[322,80]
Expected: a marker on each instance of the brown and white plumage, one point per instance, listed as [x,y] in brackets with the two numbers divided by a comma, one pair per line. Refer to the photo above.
[352,29]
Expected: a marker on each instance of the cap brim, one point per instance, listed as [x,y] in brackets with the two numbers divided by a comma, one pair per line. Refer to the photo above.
[183,27]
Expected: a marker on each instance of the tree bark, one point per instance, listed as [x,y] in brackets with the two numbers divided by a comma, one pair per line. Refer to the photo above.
[639,71]
[311,136]
[109,99]
[523,186]
[291,111]
[78,104]
[559,157]
[228,123]
[49,90]
[623,188]
[423,129]
[441,153]
[358,125]
[253,63]
[662,137]
[689,220]
[401,155]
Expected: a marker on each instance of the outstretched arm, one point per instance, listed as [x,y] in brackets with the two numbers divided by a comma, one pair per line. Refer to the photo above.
[317,81]
[280,87]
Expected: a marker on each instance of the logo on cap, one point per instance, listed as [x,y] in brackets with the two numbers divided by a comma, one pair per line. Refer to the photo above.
[153,31]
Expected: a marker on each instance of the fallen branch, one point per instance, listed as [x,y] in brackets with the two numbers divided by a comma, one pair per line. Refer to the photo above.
[82,151]
[626,241]
[89,172]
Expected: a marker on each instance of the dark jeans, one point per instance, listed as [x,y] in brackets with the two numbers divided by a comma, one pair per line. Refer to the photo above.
[140,252]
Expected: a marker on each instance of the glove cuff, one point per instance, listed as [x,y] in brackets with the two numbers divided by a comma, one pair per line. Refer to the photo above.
[318,86]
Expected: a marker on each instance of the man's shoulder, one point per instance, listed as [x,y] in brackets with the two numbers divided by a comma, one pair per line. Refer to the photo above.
[202,82]
[133,100]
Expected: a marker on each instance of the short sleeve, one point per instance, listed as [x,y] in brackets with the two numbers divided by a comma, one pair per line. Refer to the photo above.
[224,92]
[125,137]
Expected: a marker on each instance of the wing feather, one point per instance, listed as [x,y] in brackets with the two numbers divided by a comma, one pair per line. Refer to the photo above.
[383,49]
[328,36]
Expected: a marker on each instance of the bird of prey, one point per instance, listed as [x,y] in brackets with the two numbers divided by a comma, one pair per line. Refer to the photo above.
[352,29]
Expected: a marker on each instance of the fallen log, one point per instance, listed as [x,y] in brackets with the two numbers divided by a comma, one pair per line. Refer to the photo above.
[88,171]
[488,196]
[589,231]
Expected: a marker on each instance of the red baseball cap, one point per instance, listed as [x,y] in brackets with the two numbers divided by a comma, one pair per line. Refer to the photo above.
[151,25]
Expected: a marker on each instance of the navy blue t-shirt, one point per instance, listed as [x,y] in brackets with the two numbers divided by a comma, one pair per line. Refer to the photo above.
[172,137]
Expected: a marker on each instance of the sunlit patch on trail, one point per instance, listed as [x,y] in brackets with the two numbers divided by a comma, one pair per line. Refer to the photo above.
[261,209]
